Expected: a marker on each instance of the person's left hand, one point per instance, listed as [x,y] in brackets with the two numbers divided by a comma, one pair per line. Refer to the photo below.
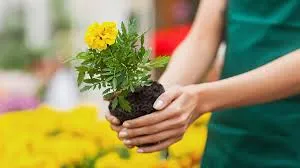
[177,109]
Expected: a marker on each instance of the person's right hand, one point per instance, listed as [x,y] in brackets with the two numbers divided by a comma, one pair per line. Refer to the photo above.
[115,125]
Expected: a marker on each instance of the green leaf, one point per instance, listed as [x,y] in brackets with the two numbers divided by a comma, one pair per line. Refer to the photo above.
[142,40]
[115,103]
[107,73]
[132,26]
[84,55]
[81,55]
[131,88]
[146,77]
[94,87]
[108,96]
[124,31]
[82,68]
[92,81]
[106,91]
[115,82]
[109,79]
[125,105]
[160,62]
[146,56]
[80,77]
[85,88]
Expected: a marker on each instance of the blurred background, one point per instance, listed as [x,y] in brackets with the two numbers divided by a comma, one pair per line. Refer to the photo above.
[36,36]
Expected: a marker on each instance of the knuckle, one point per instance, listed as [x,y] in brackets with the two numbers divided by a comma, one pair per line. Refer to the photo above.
[177,109]
[182,119]
[136,141]
[131,133]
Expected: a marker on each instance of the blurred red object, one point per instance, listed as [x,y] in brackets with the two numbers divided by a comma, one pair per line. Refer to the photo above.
[166,40]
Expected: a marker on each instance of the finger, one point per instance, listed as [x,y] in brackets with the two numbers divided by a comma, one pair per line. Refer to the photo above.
[166,98]
[129,146]
[112,119]
[149,119]
[116,128]
[173,110]
[149,139]
[159,146]
[176,122]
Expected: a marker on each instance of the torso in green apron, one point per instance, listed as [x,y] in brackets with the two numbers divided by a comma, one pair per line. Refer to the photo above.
[267,135]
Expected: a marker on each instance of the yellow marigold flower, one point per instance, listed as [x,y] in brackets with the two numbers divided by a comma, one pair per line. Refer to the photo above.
[99,36]
[110,32]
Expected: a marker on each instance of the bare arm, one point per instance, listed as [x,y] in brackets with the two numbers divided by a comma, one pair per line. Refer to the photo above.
[180,106]
[276,80]
[192,59]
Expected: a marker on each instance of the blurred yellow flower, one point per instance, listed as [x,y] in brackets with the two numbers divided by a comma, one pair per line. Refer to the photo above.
[47,138]
[99,36]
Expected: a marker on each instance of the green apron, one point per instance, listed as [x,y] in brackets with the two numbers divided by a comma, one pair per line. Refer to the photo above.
[267,135]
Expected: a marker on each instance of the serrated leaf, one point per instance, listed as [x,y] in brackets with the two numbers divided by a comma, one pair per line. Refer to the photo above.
[106,69]
[80,77]
[159,62]
[94,87]
[146,56]
[81,55]
[106,91]
[146,77]
[92,81]
[125,105]
[115,103]
[124,31]
[132,26]
[109,79]
[131,88]
[108,96]
[85,88]
[142,40]
[82,68]
[115,82]
[107,73]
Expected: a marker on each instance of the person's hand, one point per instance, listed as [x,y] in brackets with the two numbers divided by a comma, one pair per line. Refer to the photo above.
[115,125]
[177,109]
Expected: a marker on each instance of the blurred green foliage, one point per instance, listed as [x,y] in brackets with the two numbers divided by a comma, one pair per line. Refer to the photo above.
[14,53]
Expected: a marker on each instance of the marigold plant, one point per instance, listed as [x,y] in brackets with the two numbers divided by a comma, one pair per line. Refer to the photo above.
[117,61]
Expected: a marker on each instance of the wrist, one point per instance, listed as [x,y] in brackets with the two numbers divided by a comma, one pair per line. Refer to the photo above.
[206,97]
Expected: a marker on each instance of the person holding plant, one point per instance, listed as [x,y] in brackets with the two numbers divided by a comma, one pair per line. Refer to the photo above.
[256,105]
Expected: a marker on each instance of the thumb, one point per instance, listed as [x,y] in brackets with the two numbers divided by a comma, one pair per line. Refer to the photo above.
[167,97]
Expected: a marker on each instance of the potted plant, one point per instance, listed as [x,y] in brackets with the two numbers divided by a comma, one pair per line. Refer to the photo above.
[118,63]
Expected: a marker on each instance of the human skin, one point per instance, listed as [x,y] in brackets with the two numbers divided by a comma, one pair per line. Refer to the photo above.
[184,102]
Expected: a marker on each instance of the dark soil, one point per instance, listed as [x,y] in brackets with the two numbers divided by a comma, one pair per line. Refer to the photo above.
[141,102]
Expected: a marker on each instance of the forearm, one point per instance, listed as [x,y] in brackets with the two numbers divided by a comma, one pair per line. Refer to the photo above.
[189,64]
[276,80]
[192,59]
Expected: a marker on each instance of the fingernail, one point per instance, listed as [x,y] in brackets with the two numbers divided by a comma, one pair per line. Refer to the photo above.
[140,151]
[127,142]
[126,124]
[158,104]
[123,134]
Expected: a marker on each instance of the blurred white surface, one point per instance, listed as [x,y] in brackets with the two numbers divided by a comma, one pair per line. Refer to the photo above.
[62,92]
[16,82]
